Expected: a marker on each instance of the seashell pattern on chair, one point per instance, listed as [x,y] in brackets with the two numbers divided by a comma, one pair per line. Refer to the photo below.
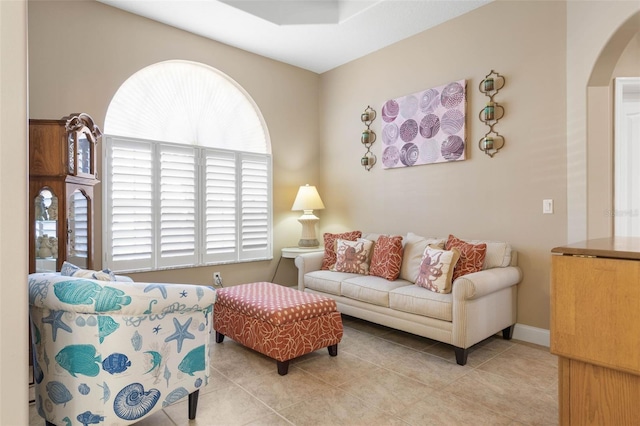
[110,352]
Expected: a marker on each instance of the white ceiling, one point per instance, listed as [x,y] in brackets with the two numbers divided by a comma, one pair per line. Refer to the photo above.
[317,35]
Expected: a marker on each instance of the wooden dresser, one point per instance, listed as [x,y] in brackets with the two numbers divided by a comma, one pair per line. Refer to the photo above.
[595,331]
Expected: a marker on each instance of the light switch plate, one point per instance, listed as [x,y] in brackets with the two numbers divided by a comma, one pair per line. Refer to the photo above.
[547,206]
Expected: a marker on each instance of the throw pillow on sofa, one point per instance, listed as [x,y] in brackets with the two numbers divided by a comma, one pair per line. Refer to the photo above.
[71,270]
[471,256]
[353,256]
[414,246]
[387,257]
[436,269]
[329,258]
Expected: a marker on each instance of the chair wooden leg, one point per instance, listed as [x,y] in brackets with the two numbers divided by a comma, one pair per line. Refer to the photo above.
[193,404]
[219,337]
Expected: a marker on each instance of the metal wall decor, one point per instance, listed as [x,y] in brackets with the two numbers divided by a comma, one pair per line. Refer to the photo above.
[368,137]
[492,141]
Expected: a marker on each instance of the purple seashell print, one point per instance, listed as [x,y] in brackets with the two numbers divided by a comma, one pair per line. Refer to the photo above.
[452,95]
[409,106]
[390,111]
[409,130]
[452,148]
[429,100]
[429,126]
[452,121]
[430,152]
[390,156]
[390,133]
[409,154]
[425,127]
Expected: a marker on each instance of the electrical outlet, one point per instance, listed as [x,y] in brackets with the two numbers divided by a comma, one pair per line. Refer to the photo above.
[217,279]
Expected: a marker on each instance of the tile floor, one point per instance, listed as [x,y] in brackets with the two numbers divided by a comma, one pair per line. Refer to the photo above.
[380,377]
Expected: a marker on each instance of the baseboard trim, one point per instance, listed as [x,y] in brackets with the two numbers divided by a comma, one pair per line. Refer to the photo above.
[526,333]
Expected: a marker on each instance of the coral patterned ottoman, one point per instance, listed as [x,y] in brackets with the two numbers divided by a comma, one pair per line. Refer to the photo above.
[279,322]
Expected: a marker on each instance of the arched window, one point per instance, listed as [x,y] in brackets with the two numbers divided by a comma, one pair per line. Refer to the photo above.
[187,171]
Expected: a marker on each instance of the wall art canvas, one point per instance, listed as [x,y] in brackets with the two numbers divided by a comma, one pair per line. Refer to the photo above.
[425,127]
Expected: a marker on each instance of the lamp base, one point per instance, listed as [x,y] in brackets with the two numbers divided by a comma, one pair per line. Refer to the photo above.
[307,243]
[308,238]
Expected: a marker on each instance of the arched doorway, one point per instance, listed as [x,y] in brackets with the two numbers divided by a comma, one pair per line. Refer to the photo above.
[600,133]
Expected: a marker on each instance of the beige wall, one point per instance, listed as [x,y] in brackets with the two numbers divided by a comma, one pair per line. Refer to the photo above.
[108,45]
[13,214]
[496,198]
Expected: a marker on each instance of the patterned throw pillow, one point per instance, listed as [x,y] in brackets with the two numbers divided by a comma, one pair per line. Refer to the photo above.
[471,256]
[436,269]
[387,257]
[71,270]
[353,256]
[329,258]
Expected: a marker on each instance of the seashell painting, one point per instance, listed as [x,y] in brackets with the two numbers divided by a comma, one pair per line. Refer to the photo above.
[425,127]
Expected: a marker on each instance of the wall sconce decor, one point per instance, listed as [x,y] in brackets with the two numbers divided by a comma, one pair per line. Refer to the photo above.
[308,200]
[367,138]
[492,141]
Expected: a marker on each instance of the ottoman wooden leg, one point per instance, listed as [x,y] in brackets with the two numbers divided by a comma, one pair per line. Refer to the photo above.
[219,337]
[333,350]
[283,367]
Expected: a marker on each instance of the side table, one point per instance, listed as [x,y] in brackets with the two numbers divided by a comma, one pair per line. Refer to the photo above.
[292,253]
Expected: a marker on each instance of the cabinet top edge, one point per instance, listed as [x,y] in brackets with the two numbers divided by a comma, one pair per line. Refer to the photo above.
[614,247]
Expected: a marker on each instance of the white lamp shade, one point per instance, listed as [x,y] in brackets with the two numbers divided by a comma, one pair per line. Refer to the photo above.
[307,199]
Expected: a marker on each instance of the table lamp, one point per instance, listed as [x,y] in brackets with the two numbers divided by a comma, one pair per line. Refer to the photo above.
[308,200]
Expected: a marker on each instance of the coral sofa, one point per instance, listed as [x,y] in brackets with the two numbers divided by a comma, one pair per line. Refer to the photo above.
[476,306]
[112,352]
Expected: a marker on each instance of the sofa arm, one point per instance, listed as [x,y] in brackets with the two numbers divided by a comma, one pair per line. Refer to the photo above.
[479,284]
[307,262]
[82,295]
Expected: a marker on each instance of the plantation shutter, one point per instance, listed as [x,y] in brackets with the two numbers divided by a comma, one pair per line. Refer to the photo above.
[129,230]
[254,221]
[220,206]
[177,221]
[168,205]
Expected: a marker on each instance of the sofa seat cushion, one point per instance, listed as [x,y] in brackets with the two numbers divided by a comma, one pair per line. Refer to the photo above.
[371,289]
[420,301]
[326,281]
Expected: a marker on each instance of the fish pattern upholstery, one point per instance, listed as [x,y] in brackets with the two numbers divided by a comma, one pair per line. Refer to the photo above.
[109,352]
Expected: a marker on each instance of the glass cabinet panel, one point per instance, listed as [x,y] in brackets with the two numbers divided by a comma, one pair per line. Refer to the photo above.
[78,229]
[46,230]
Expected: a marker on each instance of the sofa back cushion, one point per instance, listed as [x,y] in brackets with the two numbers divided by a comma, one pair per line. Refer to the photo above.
[329,258]
[414,246]
[386,260]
